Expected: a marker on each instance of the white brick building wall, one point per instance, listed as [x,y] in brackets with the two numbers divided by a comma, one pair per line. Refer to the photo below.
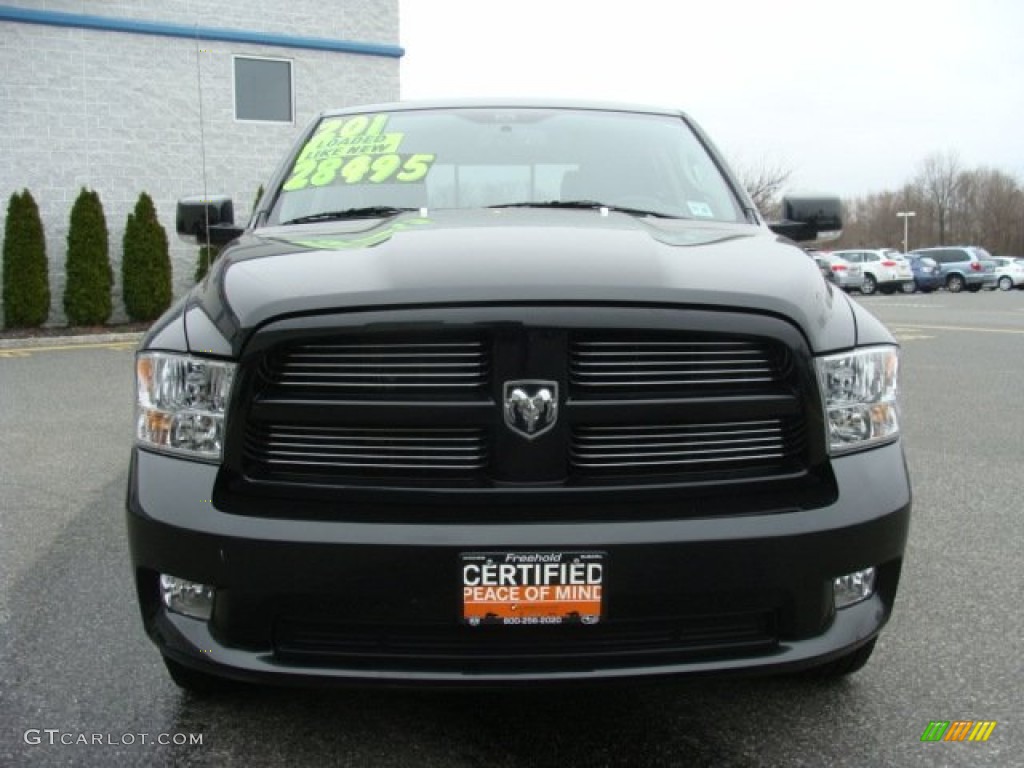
[119,112]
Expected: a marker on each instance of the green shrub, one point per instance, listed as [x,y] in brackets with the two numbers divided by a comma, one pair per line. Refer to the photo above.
[146,266]
[87,299]
[26,274]
[207,255]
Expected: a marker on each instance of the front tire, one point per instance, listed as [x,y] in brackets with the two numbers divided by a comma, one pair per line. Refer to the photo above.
[1005,283]
[870,286]
[955,283]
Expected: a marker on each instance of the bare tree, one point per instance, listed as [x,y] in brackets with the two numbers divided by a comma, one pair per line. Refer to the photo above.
[764,181]
[965,225]
[997,218]
[939,179]
[979,207]
[871,222]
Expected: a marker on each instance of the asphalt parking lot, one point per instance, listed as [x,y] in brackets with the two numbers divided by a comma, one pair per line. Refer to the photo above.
[76,665]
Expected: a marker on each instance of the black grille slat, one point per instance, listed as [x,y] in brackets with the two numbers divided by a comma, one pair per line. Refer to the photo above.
[646,367]
[426,647]
[367,367]
[688,447]
[323,448]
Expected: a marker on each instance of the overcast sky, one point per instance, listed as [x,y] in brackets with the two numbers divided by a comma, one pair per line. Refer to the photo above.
[850,96]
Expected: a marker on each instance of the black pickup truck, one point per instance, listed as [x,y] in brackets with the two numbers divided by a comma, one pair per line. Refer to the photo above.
[513,392]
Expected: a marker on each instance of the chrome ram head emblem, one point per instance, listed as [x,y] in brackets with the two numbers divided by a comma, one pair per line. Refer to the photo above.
[531,407]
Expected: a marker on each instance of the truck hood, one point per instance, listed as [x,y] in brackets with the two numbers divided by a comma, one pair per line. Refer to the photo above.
[512,255]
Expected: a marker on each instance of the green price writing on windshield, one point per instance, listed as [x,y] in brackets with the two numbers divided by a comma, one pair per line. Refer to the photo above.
[360,169]
[355,136]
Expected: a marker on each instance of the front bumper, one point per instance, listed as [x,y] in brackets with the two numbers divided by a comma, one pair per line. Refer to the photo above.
[757,587]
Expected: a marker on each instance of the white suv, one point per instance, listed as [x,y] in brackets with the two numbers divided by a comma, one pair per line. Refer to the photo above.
[885,269]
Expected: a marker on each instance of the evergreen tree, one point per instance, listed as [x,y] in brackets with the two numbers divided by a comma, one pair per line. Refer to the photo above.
[146,266]
[26,276]
[87,299]
[207,255]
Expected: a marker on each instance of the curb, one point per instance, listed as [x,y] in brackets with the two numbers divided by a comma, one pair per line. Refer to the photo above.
[83,340]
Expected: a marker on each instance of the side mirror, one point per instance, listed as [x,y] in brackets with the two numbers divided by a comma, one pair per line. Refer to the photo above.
[207,218]
[810,218]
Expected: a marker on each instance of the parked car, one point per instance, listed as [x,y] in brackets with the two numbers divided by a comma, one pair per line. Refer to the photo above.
[823,266]
[1009,272]
[885,269]
[927,273]
[963,267]
[505,393]
[847,276]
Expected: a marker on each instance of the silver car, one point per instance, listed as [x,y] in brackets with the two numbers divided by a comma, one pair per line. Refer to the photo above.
[849,277]
[964,267]
[884,269]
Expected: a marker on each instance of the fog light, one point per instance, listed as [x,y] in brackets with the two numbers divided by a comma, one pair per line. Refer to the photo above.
[853,587]
[189,598]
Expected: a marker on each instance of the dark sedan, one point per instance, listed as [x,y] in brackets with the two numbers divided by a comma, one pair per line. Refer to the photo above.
[927,273]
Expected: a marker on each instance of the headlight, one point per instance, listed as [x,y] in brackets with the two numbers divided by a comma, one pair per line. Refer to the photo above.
[181,402]
[860,391]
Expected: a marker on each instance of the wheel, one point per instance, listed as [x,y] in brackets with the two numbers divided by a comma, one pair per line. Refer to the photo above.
[870,286]
[1005,283]
[844,665]
[908,287]
[196,682]
[955,283]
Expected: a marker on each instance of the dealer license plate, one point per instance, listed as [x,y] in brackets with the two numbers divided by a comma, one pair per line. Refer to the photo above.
[527,588]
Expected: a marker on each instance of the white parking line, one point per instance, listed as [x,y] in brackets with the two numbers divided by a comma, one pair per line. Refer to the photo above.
[914,306]
[969,329]
[902,336]
[29,351]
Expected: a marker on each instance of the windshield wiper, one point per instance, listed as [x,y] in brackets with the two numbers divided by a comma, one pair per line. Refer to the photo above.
[587,204]
[368,212]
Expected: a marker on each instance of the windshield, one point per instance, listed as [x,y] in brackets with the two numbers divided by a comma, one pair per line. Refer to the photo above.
[477,158]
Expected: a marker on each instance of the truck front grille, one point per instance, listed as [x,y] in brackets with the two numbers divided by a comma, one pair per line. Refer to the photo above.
[373,401]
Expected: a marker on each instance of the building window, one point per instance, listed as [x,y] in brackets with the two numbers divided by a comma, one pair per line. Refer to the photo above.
[263,89]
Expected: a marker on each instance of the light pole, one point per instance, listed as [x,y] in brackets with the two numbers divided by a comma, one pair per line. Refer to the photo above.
[905,215]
